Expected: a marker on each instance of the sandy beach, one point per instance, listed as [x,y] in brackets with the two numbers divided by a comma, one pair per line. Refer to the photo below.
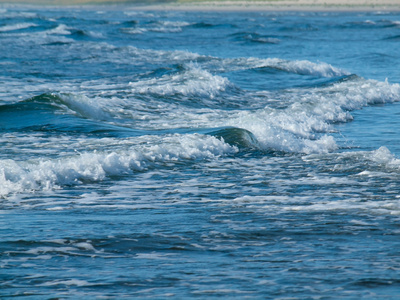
[233,5]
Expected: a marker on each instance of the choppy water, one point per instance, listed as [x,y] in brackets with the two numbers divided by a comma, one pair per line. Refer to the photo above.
[199,155]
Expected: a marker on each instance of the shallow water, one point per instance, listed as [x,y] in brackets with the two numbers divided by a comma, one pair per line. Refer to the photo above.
[198,155]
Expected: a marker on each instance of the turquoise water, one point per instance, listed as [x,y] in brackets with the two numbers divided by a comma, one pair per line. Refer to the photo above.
[150,154]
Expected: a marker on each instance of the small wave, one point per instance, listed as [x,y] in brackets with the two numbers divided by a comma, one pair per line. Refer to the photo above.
[255,38]
[393,38]
[238,137]
[75,103]
[60,29]
[168,26]
[395,23]
[285,130]
[333,101]
[79,33]
[54,113]
[134,30]
[193,81]
[131,23]
[390,23]
[202,25]
[379,162]
[15,27]
[155,26]
[361,24]
[139,13]
[69,282]
[155,56]
[63,29]
[29,176]
[301,67]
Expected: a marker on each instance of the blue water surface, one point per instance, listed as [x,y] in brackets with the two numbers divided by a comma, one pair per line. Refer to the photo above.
[163,154]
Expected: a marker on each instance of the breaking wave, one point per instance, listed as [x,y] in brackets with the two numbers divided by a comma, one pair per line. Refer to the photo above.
[46,174]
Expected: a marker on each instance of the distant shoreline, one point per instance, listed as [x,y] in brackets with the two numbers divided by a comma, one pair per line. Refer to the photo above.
[229,5]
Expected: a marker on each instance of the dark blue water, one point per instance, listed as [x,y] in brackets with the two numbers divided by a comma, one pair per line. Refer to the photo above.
[150,154]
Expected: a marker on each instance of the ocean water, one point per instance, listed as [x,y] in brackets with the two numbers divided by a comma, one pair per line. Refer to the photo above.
[153,154]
